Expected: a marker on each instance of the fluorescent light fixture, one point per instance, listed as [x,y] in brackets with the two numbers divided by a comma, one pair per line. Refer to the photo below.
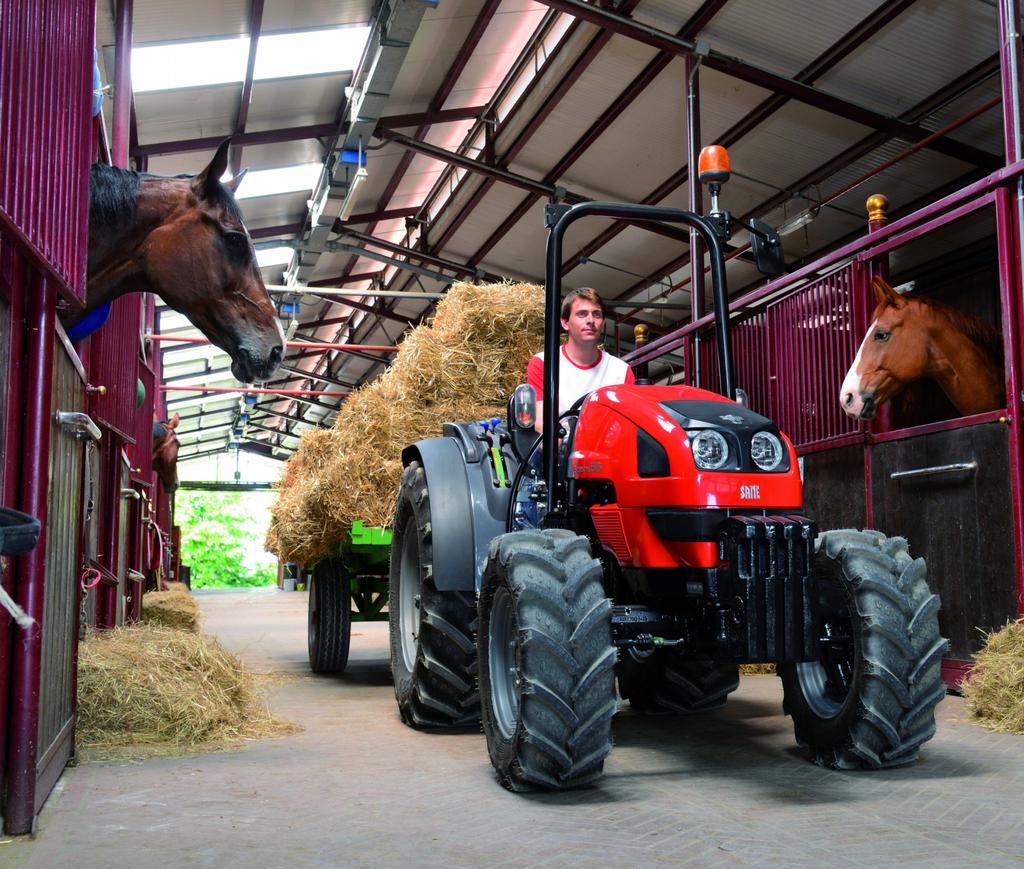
[353,190]
[798,222]
[274,256]
[285,55]
[286,179]
[207,62]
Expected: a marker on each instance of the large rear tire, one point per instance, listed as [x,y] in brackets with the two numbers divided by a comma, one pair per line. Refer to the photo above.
[433,657]
[329,623]
[547,663]
[869,701]
[666,681]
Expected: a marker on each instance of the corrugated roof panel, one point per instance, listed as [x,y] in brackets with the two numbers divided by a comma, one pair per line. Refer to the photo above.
[783,37]
[930,44]
[309,14]
[171,115]
[293,102]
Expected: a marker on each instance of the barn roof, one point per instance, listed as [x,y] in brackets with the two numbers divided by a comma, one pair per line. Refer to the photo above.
[471,114]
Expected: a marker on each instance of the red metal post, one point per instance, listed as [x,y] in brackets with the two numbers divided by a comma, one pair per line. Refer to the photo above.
[122,83]
[695,204]
[30,570]
[12,273]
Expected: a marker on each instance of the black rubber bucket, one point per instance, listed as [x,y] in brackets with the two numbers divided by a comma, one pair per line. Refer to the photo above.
[18,532]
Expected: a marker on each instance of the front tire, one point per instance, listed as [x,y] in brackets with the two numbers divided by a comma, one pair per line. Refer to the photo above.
[329,622]
[869,701]
[547,663]
[433,657]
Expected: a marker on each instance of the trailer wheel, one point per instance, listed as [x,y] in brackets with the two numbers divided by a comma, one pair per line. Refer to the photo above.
[433,657]
[869,700]
[329,626]
[547,663]
[669,682]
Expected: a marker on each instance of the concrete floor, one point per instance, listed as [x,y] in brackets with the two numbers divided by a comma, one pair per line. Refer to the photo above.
[357,788]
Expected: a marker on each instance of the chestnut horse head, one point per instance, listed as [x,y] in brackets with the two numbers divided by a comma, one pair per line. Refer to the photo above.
[912,339]
[165,452]
[183,239]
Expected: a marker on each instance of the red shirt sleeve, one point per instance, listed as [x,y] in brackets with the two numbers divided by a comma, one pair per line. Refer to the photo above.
[535,375]
[629,376]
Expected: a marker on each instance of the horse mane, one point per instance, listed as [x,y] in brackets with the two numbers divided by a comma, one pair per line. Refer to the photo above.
[114,195]
[983,334]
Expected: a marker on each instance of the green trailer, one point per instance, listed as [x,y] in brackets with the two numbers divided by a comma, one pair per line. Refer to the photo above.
[350,585]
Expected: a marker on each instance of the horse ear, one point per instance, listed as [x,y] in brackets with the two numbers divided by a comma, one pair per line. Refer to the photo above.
[206,181]
[172,423]
[232,185]
[886,295]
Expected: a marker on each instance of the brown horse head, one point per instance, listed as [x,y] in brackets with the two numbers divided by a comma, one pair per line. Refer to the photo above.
[183,239]
[915,339]
[165,452]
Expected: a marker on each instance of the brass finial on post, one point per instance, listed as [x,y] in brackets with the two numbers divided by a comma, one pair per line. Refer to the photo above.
[640,336]
[878,209]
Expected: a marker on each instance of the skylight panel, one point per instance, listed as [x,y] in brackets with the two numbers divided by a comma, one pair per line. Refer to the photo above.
[283,55]
[189,64]
[223,61]
[286,179]
[274,256]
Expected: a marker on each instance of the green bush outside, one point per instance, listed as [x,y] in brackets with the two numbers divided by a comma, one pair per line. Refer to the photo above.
[222,537]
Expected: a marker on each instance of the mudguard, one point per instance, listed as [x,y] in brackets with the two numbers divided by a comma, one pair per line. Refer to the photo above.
[466,509]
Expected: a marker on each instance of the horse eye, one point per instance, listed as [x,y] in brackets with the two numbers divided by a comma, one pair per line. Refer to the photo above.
[237,244]
[882,336]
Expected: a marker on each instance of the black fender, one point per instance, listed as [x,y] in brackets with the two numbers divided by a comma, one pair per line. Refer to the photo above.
[466,509]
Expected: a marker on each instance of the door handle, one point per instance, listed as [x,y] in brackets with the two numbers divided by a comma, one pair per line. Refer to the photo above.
[955,468]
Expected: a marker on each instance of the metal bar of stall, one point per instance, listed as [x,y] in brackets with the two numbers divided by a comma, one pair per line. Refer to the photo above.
[31,568]
[122,81]
[671,340]
[1012,336]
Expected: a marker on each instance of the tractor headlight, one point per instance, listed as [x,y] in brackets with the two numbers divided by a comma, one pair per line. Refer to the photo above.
[710,450]
[766,450]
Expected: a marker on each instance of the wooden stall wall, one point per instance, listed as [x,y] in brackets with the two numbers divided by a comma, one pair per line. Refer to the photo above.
[62,588]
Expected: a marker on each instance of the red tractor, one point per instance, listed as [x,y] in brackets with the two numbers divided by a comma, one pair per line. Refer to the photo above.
[653,537]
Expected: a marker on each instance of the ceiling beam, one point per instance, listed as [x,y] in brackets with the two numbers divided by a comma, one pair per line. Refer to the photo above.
[294,134]
[245,98]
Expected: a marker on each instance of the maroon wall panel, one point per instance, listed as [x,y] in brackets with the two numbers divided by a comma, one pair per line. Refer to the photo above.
[46,132]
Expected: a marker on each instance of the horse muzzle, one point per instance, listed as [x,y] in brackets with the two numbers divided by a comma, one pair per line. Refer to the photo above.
[858,405]
[248,367]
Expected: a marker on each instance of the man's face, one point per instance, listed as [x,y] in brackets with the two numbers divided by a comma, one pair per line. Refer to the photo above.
[585,322]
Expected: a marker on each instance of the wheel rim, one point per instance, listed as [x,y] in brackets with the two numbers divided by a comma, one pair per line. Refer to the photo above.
[503,658]
[409,595]
[826,683]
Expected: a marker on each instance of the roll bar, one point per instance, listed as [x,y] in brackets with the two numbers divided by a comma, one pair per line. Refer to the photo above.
[558,218]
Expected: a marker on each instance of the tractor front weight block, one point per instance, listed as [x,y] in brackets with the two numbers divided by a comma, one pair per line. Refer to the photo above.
[766,589]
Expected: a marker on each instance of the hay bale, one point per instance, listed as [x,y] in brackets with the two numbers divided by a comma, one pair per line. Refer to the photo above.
[175,608]
[462,366]
[171,690]
[757,669]
[994,690]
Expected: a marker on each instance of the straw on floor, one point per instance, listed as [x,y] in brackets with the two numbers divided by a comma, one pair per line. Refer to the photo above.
[174,608]
[158,690]
[994,690]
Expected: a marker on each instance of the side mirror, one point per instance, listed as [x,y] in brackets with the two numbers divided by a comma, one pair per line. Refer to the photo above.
[522,408]
[767,246]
